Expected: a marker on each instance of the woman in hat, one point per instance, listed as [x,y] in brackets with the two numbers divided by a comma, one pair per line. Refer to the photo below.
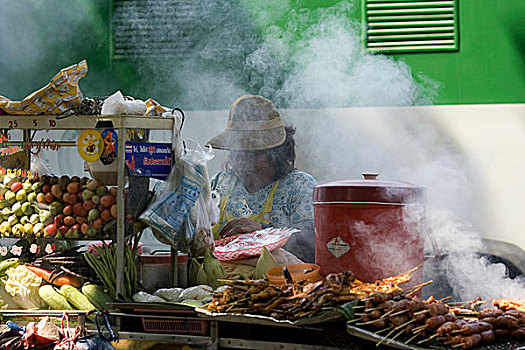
[260,186]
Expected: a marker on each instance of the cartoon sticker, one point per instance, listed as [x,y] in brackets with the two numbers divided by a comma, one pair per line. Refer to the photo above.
[338,247]
[90,145]
[109,154]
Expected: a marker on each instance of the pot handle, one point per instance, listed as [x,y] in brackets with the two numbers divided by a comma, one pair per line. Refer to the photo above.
[427,229]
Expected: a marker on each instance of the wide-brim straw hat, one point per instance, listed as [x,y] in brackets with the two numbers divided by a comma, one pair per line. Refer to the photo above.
[253,124]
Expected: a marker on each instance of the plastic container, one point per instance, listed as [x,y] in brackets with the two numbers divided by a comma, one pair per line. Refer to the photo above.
[370,227]
[299,272]
[155,270]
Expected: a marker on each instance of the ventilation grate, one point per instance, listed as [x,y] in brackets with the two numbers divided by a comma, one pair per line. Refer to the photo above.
[410,25]
[141,28]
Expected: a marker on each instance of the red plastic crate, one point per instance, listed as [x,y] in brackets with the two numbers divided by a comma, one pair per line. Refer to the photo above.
[190,325]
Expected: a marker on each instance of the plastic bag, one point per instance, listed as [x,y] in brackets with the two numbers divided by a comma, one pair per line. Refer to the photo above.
[57,97]
[168,213]
[39,166]
[173,200]
[143,297]
[169,294]
[214,207]
[198,234]
[117,104]
[202,237]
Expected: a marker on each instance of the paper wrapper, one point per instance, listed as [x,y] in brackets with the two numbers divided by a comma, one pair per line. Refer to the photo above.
[57,97]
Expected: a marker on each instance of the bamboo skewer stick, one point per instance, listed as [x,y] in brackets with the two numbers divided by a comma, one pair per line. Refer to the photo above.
[415,289]
[424,284]
[399,312]
[368,322]
[387,314]
[385,337]
[414,337]
[428,339]
[383,330]
[395,336]
[413,270]
[445,298]
[372,309]
[419,329]
[405,324]
[421,312]
[457,345]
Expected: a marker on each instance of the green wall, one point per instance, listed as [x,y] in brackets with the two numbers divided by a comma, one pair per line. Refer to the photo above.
[37,40]
[490,64]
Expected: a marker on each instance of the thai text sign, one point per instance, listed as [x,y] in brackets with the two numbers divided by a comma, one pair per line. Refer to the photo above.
[149,159]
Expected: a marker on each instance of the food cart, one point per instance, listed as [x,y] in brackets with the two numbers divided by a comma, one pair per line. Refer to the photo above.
[352,302]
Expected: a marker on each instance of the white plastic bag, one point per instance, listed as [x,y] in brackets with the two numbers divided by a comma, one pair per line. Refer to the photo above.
[173,200]
[39,166]
[169,294]
[202,237]
[168,213]
[117,104]
[214,207]
[198,233]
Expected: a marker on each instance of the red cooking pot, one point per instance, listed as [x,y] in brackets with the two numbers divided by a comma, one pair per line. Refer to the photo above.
[370,227]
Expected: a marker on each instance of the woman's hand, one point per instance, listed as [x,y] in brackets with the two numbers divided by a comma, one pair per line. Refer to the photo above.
[238,226]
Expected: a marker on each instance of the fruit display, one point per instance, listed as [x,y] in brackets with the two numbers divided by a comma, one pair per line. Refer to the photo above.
[56,207]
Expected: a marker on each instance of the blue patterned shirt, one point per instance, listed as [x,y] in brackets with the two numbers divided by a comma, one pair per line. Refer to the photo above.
[292,207]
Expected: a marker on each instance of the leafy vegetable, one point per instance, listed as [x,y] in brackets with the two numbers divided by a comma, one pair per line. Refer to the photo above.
[23,286]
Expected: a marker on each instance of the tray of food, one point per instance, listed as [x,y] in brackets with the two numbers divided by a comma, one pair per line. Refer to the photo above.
[400,321]
[296,304]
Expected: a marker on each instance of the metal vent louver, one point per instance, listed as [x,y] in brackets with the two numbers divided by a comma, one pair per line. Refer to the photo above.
[410,25]
[141,28]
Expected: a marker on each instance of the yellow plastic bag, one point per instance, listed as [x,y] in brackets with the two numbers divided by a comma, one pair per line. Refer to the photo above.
[154,108]
[57,97]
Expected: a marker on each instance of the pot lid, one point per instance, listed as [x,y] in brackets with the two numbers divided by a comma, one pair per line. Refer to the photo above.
[369,189]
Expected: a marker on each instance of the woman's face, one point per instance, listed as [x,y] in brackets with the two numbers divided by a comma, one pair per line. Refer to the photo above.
[252,168]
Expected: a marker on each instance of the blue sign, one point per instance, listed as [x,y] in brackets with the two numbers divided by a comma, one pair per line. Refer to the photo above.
[148,159]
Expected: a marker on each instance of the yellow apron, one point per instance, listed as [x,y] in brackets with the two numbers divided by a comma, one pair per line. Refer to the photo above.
[263,217]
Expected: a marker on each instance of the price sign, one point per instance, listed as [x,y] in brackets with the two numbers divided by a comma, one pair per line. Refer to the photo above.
[50,248]
[16,250]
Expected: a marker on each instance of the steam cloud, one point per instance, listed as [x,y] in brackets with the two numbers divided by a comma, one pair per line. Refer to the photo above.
[314,61]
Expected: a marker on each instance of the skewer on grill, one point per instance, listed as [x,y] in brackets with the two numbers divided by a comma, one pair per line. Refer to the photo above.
[415,289]
[427,339]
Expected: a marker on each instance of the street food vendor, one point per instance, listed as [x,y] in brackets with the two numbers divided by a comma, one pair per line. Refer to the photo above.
[259,185]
